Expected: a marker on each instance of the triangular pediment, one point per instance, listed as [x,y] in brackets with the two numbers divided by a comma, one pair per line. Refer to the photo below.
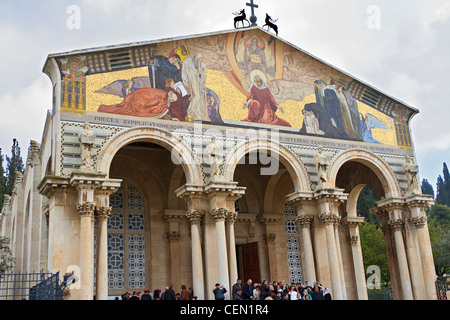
[247,77]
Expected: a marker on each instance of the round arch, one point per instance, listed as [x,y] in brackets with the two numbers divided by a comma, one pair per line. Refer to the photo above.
[379,167]
[294,166]
[182,153]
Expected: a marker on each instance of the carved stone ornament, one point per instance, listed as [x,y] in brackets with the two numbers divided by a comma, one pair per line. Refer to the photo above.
[195,216]
[103,212]
[85,208]
[419,222]
[396,225]
[219,214]
[231,217]
[173,236]
[270,237]
[304,221]
[328,218]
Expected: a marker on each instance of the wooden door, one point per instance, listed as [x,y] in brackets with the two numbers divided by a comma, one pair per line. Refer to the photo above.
[250,262]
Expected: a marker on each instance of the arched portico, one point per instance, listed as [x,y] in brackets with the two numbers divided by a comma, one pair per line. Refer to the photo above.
[180,152]
[291,162]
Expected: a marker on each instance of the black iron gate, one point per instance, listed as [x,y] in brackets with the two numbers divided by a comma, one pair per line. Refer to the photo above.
[31,286]
[441,290]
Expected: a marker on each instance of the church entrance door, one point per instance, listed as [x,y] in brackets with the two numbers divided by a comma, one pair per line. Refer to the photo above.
[250,262]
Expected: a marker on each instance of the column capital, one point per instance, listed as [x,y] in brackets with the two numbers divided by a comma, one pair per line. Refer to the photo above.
[195,216]
[419,222]
[173,236]
[103,212]
[219,214]
[396,225]
[270,237]
[353,240]
[329,218]
[305,221]
[86,208]
[231,217]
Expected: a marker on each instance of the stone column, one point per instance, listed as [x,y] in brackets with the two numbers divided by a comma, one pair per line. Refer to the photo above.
[426,256]
[271,221]
[414,262]
[328,220]
[358,264]
[231,249]
[397,227]
[310,269]
[219,215]
[86,211]
[103,214]
[195,218]
[173,217]
[337,220]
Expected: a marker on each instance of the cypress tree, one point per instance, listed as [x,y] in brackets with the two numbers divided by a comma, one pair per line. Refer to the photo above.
[15,163]
[446,181]
[441,196]
[427,188]
[2,180]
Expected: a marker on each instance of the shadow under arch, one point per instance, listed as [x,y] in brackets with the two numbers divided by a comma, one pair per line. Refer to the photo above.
[377,165]
[180,152]
[294,166]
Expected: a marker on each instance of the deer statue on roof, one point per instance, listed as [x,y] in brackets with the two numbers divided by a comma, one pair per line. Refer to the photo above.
[240,17]
[270,23]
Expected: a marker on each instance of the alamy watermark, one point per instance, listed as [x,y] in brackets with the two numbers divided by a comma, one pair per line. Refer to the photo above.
[213,146]
[73,21]
[374,19]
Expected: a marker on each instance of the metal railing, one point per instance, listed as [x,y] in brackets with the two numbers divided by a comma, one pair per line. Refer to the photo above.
[30,286]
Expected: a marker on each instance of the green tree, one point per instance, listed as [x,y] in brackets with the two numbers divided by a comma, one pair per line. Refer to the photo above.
[441,196]
[446,175]
[441,252]
[440,214]
[366,201]
[427,188]
[14,163]
[374,249]
[2,180]
[6,259]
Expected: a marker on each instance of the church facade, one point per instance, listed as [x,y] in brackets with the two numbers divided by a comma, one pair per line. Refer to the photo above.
[204,159]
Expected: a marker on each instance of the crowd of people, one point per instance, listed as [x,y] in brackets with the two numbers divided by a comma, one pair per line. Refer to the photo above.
[168,294]
[276,290]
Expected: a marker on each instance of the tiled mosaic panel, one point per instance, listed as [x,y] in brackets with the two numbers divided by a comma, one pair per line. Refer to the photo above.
[290,226]
[136,261]
[116,221]
[289,209]
[136,221]
[116,261]
[116,200]
[135,200]
[295,267]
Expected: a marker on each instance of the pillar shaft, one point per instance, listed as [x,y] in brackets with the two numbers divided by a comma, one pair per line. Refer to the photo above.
[328,220]
[402,260]
[231,249]
[102,253]
[310,270]
[426,256]
[219,215]
[86,210]
[195,217]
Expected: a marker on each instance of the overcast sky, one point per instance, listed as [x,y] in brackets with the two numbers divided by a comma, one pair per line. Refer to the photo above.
[401,47]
